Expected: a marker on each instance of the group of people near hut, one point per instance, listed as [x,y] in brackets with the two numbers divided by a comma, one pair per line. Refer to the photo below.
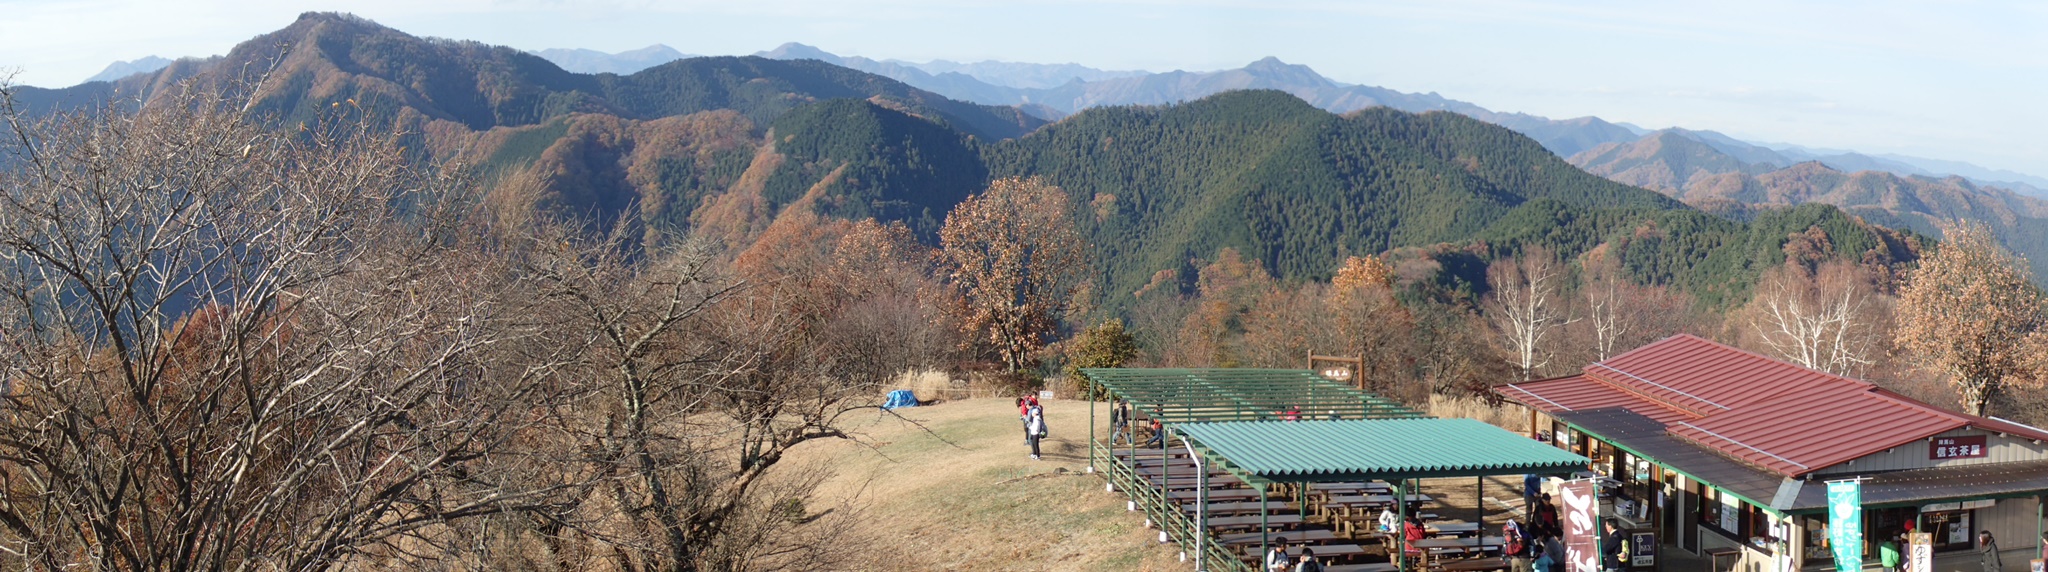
[1032,414]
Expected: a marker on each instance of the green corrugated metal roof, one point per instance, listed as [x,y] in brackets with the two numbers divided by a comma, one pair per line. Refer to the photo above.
[1230,394]
[1377,449]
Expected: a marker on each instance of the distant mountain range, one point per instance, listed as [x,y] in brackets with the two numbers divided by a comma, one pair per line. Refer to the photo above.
[727,147]
[118,70]
[1057,91]
[1053,91]
[594,62]
[1714,172]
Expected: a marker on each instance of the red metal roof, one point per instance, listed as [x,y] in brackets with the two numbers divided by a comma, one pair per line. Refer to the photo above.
[1580,393]
[1705,377]
[1771,414]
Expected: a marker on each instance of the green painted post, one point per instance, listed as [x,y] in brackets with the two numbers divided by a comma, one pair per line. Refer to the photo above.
[1265,533]
[1400,532]
[1201,517]
[1165,473]
[1091,425]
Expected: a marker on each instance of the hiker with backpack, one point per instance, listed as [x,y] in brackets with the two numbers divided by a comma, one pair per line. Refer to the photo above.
[1516,546]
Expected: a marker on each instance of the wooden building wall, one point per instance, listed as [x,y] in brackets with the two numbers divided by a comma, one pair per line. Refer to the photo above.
[1999,449]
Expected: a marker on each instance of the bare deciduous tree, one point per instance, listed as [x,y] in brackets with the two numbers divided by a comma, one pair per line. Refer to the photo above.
[229,348]
[1620,314]
[1829,318]
[1526,307]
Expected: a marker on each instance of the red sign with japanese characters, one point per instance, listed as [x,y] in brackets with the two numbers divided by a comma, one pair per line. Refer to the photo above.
[1956,447]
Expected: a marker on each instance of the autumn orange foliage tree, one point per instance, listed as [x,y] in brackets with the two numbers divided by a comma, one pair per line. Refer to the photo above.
[1015,261]
[1969,311]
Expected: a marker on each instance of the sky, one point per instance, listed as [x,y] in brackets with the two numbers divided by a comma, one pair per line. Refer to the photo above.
[1956,80]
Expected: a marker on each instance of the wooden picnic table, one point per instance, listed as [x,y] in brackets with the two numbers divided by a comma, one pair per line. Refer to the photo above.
[1180,484]
[1152,456]
[1448,546]
[1328,551]
[1293,536]
[1178,470]
[1372,486]
[1474,564]
[1345,505]
[1366,567]
[1453,529]
[1232,522]
[1190,474]
[1214,495]
[1240,507]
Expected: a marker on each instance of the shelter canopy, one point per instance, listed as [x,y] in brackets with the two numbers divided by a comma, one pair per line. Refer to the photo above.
[1178,396]
[1383,449]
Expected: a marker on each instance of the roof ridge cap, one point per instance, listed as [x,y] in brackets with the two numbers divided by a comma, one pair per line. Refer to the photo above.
[1653,400]
[1589,367]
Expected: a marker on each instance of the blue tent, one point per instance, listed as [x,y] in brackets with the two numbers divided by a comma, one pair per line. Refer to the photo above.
[900,398]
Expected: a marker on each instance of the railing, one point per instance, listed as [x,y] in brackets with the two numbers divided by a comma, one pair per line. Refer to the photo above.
[1165,513]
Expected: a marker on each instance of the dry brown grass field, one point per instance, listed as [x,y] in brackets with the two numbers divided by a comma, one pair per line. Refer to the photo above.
[966,495]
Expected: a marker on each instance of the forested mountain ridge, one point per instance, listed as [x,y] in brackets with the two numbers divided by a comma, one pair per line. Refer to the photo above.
[1286,183]
[324,60]
[726,146]
[1100,89]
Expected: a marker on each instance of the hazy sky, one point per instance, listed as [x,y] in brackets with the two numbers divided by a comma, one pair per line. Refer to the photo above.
[1951,80]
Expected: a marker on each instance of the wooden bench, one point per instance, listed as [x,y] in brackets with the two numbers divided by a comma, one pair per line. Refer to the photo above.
[1459,546]
[1453,529]
[1473,564]
[1366,567]
[1240,507]
[1238,539]
[1213,495]
[1271,520]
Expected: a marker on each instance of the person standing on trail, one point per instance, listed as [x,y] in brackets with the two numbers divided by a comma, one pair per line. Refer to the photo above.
[1120,423]
[1024,417]
[1034,428]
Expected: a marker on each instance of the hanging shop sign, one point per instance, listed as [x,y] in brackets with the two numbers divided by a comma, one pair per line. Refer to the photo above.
[1965,447]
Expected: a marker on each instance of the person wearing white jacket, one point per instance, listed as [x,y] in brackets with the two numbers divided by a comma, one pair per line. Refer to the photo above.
[1034,429]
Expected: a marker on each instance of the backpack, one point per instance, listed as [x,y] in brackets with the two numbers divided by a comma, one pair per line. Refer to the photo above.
[1514,547]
